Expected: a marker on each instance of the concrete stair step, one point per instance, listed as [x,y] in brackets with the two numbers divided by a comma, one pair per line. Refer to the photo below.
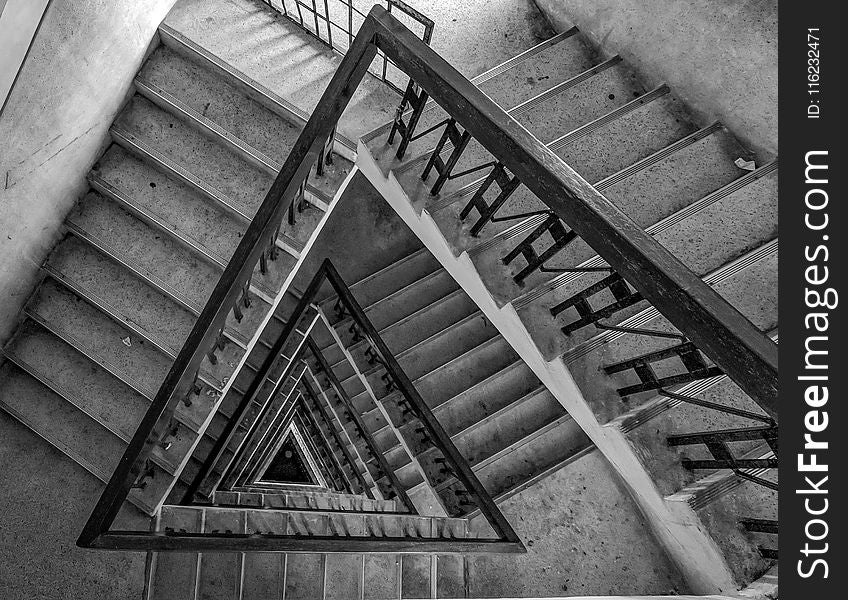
[465,371]
[186,105]
[746,218]
[423,324]
[404,302]
[520,464]
[91,389]
[508,426]
[115,290]
[72,432]
[648,189]
[175,271]
[437,350]
[184,76]
[548,115]
[487,257]
[487,397]
[302,575]
[203,224]
[319,501]
[212,168]
[120,351]
[628,139]
[396,276]
[542,70]
[500,431]
[539,74]
[697,171]
[215,164]
[752,290]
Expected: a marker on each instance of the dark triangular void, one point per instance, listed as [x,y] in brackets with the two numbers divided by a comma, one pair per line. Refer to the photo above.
[288,466]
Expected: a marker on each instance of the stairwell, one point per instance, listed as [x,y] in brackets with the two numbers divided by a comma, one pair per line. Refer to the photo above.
[193,153]
[580,329]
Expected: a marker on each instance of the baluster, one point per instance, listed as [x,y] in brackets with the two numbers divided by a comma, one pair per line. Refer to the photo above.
[507,185]
[390,383]
[325,156]
[196,388]
[459,140]
[173,428]
[687,352]
[220,342]
[273,249]
[621,292]
[239,315]
[148,472]
[415,97]
[552,225]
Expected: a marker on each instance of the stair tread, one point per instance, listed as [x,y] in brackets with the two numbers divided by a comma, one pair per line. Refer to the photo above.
[159,319]
[243,185]
[747,219]
[71,431]
[138,365]
[210,94]
[751,290]
[173,268]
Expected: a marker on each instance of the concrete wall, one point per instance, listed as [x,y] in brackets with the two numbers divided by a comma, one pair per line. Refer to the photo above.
[19,20]
[55,125]
[719,56]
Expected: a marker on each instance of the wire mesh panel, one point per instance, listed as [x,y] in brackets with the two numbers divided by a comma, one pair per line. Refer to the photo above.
[336,23]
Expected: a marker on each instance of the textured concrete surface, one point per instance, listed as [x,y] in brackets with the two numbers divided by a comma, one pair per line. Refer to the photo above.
[45,499]
[54,126]
[720,57]
[583,535]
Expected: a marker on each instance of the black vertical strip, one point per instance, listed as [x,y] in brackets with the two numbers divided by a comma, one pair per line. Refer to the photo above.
[813,259]
[26,56]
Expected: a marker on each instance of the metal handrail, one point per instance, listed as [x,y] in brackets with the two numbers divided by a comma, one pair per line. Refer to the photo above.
[735,345]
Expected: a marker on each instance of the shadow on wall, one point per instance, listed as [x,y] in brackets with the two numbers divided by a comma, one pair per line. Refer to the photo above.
[718,56]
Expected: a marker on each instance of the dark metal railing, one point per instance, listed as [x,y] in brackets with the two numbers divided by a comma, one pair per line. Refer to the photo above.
[716,328]
[383,474]
[337,22]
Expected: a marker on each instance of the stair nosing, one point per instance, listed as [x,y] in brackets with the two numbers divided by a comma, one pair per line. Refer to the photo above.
[490,341]
[111,312]
[512,405]
[73,401]
[485,76]
[146,214]
[394,295]
[663,224]
[68,451]
[171,104]
[421,311]
[515,446]
[272,101]
[148,278]
[606,182]
[647,314]
[526,106]
[135,144]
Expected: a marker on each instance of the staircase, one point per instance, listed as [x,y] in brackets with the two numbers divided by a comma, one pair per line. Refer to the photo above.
[526,348]
[607,356]
[505,422]
[193,153]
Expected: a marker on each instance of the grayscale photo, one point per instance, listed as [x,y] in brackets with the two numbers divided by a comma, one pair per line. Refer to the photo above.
[407,299]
